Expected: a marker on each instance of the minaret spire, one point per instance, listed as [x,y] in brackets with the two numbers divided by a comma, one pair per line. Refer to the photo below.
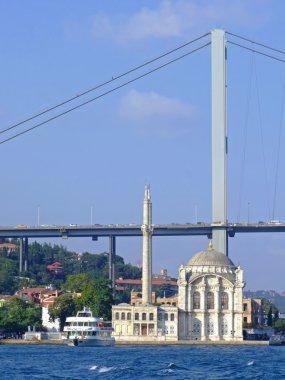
[147,247]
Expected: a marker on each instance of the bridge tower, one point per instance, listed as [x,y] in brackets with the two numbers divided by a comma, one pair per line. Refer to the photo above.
[219,140]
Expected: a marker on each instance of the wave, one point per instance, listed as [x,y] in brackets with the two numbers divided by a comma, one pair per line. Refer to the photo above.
[100,369]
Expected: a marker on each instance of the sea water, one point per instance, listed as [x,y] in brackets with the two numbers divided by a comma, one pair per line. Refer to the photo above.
[137,362]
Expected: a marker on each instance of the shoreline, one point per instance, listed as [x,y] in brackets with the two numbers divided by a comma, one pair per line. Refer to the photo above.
[140,343]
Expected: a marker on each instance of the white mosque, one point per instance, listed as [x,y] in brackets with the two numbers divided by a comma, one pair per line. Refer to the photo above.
[209,299]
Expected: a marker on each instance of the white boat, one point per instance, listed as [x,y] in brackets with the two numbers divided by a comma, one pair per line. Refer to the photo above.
[88,331]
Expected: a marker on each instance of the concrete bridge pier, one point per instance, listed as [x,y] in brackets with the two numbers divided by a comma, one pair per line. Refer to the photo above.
[112,259]
[23,254]
[26,254]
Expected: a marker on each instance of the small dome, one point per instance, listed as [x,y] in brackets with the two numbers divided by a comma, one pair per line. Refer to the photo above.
[210,257]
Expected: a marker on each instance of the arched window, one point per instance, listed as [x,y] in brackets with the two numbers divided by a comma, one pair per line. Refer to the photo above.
[129,316]
[196,300]
[151,316]
[117,316]
[143,316]
[210,300]
[225,301]
[136,316]
[123,316]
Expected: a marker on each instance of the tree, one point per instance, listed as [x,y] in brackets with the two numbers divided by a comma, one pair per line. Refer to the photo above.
[64,306]
[280,326]
[76,282]
[16,315]
[269,317]
[98,296]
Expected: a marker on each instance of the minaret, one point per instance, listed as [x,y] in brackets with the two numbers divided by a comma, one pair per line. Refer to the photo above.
[147,247]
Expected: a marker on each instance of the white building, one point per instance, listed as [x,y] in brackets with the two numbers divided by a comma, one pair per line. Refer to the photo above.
[210,298]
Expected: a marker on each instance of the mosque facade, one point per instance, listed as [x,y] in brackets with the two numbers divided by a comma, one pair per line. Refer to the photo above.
[209,306]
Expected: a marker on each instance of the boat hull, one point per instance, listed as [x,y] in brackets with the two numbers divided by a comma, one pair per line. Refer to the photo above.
[78,342]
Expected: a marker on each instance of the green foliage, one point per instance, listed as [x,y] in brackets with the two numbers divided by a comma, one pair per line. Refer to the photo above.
[98,296]
[269,317]
[279,326]
[41,255]
[64,306]
[76,282]
[16,315]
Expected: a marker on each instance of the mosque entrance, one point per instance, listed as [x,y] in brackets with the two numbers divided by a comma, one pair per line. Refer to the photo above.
[144,329]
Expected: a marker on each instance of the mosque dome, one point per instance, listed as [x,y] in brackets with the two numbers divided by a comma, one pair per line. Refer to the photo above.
[210,257]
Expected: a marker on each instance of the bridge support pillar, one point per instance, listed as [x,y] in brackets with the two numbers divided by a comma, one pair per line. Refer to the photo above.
[21,255]
[219,140]
[112,257]
[26,254]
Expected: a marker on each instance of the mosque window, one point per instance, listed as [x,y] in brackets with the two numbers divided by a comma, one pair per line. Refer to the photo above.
[196,300]
[196,327]
[225,329]
[210,301]
[151,316]
[143,316]
[117,316]
[129,316]
[136,316]
[210,327]
[225,301]
[172,317]
[123,316]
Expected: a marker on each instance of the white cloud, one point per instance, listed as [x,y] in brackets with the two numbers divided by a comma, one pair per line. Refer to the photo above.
[165,116]
[179,18]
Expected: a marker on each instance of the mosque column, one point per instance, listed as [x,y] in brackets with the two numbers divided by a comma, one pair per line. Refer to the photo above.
[231,312]
[217,312]
[203,310]
[189,308]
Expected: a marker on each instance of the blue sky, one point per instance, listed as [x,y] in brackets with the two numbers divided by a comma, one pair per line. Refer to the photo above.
[156,130]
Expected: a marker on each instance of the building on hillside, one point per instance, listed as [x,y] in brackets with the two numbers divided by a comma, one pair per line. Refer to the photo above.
[30,294]
[55,269]
[48,324]
[254,311]
[136,298]
[8,247]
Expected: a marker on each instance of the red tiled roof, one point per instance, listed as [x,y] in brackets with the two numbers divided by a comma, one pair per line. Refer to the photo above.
[8,245]
[155,281]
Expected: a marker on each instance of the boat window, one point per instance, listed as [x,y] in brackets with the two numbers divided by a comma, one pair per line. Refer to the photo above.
[129,316]
[123,316]
[73,323]
[80,323]
[136,316]
[117,316]
[94,333]
[85,324]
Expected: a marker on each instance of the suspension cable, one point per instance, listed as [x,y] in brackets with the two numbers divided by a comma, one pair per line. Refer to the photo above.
[256,43]
[104,93]
[96,87]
